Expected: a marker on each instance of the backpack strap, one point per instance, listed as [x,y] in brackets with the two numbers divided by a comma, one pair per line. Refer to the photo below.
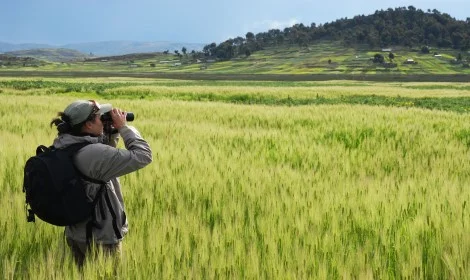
[92,223]
[72,150]
[113,214]
[42,149]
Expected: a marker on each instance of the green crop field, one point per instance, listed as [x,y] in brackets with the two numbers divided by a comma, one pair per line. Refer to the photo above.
[261,180]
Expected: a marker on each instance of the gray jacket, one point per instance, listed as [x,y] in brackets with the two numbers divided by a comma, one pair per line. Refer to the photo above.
[106,163]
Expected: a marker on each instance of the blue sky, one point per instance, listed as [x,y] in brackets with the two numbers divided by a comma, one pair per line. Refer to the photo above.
[60,22]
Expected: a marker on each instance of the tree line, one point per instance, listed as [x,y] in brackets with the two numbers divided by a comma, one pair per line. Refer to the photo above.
[403,26]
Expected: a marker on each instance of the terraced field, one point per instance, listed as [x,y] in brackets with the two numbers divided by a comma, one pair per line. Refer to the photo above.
[320,58]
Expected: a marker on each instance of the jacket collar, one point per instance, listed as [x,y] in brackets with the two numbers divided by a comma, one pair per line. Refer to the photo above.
[64,140]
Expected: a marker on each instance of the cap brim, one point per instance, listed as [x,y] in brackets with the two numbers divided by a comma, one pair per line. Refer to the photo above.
[104,108]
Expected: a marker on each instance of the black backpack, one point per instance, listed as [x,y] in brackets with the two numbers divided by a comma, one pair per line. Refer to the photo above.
[55,189]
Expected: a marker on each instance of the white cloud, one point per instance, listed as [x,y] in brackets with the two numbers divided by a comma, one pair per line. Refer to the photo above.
[260,26]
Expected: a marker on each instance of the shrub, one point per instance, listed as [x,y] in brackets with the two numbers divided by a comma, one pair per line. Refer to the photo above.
[378,58]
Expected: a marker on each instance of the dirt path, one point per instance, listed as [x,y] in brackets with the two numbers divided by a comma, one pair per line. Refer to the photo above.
[244,77]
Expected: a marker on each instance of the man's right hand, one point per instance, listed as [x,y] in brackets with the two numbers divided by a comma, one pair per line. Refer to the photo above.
[118,117]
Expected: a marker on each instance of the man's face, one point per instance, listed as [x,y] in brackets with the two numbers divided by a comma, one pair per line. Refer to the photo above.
[96,126]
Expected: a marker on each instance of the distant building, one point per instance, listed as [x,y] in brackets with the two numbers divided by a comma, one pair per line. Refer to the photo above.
[410,61]
[387,50]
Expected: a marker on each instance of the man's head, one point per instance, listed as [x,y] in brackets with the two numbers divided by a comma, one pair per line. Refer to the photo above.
[82,110]
[83,116]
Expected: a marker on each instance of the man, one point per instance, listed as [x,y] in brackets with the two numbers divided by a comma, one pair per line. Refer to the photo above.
[102,162]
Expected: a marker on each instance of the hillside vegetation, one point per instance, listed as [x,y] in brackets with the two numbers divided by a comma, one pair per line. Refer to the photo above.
[9,61]
[407,27]
[395,41]
[50,54]
[326,58]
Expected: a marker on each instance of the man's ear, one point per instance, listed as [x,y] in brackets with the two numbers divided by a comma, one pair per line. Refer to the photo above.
[87,125]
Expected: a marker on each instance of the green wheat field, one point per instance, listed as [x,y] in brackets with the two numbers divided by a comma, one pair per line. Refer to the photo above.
[260,180]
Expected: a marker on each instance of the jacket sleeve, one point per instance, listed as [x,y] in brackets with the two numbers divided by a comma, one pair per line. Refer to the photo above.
[104,162]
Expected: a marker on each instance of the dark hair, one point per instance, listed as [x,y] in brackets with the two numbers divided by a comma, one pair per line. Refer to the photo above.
[62,122]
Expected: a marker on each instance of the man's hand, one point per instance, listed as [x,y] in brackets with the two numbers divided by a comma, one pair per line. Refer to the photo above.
[118,117]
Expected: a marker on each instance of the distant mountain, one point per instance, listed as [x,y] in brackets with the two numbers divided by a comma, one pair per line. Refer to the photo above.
[107,48]
[7,47]
[127,47]
[60,54]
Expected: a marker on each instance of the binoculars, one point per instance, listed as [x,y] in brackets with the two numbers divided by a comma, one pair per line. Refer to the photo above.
[106,117]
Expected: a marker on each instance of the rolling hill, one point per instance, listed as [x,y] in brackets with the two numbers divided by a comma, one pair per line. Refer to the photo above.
[321,58]
[401,41]
[107,48]
[111,48]
[54,55]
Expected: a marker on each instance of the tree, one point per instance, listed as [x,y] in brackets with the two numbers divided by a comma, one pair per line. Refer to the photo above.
[402,26]
[391,56]
[247,52]
[301,38]
[206,50]
[225,50]
[238,41]
[250,36]
[425,49]
[183,50]
[457,39]
[444,43]
[177,52]
[209,50]
[378,58]
[466,44]
[280,39]
[212,48]
[250,41]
